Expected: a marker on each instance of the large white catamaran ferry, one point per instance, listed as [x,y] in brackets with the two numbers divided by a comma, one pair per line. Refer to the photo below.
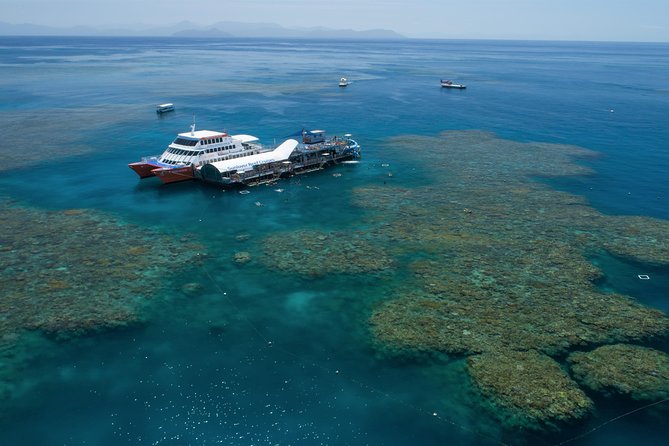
[192,150]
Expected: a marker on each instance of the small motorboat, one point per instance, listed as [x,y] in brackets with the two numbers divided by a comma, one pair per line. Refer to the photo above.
[343,82]
[164,108]
[450,84]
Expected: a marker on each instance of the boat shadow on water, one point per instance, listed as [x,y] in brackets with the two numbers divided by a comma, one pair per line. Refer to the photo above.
[154,186]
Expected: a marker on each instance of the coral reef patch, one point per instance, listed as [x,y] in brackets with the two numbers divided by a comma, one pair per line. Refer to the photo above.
[76,271]
[500,260]
[638,372]
[532,388]
[242,257]
[318,253]
[473,322]
[70,273]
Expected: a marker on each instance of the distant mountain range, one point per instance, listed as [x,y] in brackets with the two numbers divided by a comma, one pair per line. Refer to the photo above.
[189,29]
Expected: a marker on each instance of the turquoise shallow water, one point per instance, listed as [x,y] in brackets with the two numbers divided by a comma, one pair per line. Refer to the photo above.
[265,357]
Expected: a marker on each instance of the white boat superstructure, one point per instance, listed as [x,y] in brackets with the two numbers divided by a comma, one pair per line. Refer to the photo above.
[205,146]
[450,84]
[343,82]
[194,149]
[164,108]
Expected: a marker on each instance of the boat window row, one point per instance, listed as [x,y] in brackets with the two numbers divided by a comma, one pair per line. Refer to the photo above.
[211,141]
[185,142]
[215,149]
[181,152]
[166,161]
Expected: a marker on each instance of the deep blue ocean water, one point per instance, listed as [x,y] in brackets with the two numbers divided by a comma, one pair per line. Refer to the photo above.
[89,104]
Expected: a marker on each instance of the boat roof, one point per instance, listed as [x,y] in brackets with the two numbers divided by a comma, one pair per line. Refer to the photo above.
[169,104]
[245,138]
[202,134]
[246,163]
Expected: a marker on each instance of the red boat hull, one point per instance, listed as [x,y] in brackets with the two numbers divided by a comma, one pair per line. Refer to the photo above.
[173,174]
[144,170]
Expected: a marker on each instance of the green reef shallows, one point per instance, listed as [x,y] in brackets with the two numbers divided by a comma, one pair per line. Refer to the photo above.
[73,272]
[501,269]
[639,372]
[78,270]
[57,139]
[317,253]
[530,386]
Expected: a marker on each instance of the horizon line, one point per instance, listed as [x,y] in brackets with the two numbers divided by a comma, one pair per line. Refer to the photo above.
[399,38]
[101,30]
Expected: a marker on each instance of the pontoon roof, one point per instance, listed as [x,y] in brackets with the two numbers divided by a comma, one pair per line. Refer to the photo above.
[246,163]
[245,138]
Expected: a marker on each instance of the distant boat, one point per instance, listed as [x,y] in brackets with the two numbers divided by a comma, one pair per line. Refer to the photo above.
[450,84]
[343,82]
[164,108]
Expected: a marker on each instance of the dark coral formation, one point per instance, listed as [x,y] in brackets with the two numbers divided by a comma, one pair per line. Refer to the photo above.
[68,273]
[316,253]
[78,271]
[641,238]
[500,261]
[242,257]
[530,386]
[638,372]
[472,322]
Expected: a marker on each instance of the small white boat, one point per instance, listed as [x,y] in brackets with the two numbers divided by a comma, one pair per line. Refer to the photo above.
[450,84]
[164,108]
[343,82]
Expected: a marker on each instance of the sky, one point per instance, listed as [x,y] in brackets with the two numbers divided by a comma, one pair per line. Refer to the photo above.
[617,20]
